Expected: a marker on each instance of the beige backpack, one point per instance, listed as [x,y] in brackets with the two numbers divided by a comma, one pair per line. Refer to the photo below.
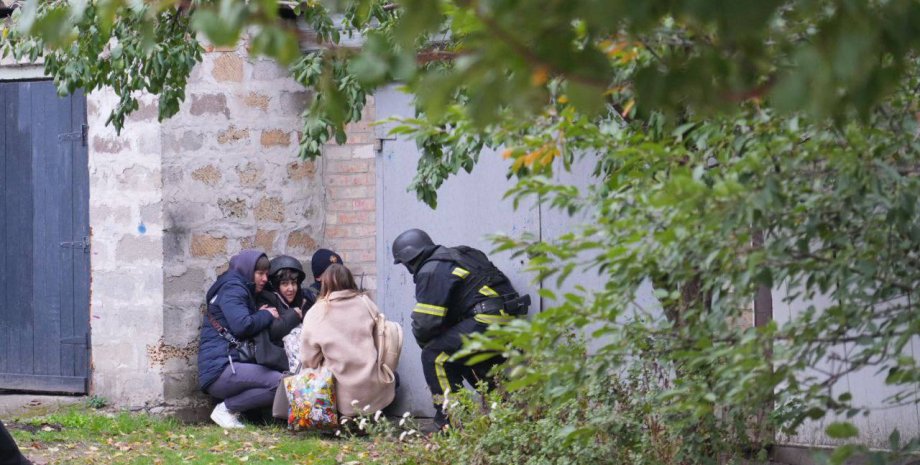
[388,338]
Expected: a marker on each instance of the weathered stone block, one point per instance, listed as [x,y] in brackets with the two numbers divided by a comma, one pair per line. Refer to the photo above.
[264,70]
[250,175]
[158,354]
[294,103]
[146,111]
[192,281]
[222,268]
[275,138]
[188,141]
[135,248]
[228,67]
[256,100]
[299,170]
[207,174]
[152,213]
[140,178]
[270,209]
[301,241]
[209,104]
[180,386]
[113,286]
[231,135]
[173,175]
[263,240]
[101,213]
[206,245]
[109,144]
[232,208]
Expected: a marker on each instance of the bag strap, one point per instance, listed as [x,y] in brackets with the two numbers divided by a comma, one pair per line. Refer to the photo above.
[223,332]
[380,340]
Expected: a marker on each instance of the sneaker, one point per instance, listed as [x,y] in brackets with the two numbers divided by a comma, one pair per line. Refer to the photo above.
[225,418]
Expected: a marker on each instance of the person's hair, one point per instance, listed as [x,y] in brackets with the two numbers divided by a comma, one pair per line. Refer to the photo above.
[336,278]
[263,264]
[285,274]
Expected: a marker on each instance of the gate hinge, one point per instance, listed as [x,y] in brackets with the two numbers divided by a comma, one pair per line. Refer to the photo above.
[80,135]
[83,244]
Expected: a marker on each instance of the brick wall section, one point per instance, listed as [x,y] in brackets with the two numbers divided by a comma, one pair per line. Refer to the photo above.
[350,178]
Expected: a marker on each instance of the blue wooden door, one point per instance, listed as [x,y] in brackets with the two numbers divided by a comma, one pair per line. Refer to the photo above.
[44,237]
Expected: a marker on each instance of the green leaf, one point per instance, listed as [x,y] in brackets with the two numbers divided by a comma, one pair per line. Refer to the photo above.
[841,430]
[587,98]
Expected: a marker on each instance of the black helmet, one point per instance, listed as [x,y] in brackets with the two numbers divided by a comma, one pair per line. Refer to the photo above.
[409,245]
[286,261]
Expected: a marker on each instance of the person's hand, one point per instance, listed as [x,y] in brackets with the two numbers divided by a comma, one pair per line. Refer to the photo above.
[272,310]
[299,312]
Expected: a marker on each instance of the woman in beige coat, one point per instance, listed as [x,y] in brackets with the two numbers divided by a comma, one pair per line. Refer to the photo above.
[338,333]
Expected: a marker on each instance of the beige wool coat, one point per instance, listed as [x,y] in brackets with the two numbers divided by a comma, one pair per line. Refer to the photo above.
[338,332]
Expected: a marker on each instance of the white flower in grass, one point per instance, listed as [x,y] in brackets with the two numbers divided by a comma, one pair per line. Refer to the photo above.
[402,436]
[362,424]
[338,432]
[377,415]
[402,422]
[367,408]
[345,420]
[354,403]
[406,415]
[494,405]
[411,432]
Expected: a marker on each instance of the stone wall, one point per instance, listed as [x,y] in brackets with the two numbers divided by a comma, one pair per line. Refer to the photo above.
[172,201]
[127,253]
[231,181]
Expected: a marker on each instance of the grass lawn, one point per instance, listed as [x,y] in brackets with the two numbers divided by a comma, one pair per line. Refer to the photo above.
[81,435]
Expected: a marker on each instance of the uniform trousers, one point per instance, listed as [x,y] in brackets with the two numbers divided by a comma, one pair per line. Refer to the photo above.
[443,375]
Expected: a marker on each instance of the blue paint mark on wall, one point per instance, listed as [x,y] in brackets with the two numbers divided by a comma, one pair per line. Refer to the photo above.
[142,228]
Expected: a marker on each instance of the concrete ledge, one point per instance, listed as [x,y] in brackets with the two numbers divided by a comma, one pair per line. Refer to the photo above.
[14,405]
[22,72]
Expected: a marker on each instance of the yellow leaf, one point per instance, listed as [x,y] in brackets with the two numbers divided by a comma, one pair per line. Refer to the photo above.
[629,106]
[539,76]
[563,99]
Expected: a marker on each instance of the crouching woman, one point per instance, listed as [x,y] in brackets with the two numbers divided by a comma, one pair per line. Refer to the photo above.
[231,310]
[338,333]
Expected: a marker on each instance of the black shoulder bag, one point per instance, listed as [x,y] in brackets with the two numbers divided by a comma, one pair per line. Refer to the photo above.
[259,349]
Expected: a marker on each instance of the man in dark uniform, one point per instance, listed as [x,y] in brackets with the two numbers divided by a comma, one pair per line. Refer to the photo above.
[458,292]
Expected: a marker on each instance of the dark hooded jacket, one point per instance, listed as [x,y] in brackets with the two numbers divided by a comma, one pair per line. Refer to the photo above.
[287,318]
[231,301]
